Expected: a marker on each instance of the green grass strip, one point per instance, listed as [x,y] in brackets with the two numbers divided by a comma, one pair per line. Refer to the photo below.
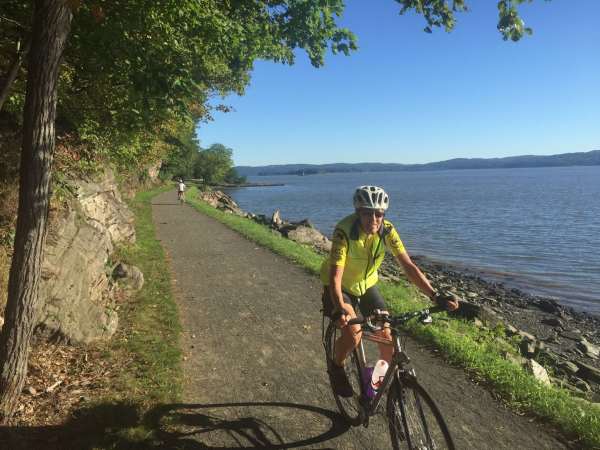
[154,327]
[477,350]
[147,346]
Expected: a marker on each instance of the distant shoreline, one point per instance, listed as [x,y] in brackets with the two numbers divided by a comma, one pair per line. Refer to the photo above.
[591,158]
[245,185]
[232,185]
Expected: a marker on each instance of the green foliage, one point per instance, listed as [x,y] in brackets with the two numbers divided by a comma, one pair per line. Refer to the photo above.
[186,159]
[182,155]
[213,164]
[232,177]
[509,23]
[441,13]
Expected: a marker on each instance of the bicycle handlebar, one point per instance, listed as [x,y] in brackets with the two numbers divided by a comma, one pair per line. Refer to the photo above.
[399,319]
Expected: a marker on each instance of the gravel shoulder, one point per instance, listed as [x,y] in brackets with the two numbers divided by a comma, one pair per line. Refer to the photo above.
[254,368]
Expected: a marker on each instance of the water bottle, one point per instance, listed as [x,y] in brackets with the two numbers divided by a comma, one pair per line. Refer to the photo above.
[378,375]
[367,375]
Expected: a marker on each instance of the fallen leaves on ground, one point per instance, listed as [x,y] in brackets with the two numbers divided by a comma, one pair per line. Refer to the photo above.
[60,379]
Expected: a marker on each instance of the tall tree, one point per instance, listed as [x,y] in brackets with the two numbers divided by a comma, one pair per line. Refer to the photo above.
[214,163]
[52,19]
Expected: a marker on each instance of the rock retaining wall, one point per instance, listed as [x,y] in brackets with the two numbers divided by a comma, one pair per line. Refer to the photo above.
[77,288]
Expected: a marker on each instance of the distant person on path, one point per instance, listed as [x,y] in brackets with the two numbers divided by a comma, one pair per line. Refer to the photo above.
[349,276]
[181,190]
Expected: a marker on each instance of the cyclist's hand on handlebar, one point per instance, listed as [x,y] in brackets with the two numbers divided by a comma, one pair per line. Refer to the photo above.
[345,314]
[448,300]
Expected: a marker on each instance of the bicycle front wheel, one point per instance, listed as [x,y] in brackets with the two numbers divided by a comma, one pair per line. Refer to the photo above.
[415,421]
[349,407]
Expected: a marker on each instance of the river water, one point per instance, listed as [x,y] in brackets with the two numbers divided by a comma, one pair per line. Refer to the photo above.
[537,229]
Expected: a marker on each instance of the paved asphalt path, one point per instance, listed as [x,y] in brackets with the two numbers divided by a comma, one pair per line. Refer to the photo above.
[254,366]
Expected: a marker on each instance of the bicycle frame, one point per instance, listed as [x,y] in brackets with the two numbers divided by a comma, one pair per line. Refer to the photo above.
[398,361]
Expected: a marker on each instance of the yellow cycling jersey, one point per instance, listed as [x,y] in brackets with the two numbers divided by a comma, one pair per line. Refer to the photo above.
[359,254]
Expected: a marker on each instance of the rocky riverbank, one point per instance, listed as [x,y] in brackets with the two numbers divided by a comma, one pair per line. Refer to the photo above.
[566,342]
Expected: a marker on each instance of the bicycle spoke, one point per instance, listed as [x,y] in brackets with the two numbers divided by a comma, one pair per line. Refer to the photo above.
[414,420]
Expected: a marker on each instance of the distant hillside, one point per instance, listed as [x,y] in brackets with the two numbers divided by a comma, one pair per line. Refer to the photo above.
[591,158]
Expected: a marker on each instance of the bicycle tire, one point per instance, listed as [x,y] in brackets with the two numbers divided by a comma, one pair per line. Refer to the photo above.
[349,407]
[415,421]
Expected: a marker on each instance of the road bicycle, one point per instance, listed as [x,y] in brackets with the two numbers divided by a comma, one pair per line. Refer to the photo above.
[181,197]
[414,420]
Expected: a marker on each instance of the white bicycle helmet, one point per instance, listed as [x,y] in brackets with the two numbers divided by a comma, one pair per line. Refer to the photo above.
[371,197]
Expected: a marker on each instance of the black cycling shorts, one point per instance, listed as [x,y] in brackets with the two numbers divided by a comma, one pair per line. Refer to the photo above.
[367,302]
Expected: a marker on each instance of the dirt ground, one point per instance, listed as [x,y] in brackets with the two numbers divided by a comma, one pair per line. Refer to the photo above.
[254,365]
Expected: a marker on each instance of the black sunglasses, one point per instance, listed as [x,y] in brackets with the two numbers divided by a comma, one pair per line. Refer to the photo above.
[371,212]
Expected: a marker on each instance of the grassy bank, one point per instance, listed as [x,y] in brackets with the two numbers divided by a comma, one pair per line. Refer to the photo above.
[479,351]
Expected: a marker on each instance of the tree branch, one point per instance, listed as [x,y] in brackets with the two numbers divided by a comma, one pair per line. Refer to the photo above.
[13,22]
[13,72]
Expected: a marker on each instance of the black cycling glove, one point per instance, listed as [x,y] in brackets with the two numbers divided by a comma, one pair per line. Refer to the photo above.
[442,298]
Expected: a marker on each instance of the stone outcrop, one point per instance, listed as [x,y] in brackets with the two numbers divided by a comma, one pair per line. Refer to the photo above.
[102,207]
[154,171]
[77,288]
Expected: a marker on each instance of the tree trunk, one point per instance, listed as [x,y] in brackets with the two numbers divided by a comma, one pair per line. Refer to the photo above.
[52,22]
[12,74]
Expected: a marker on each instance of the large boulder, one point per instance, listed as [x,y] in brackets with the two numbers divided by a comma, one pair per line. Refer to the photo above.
[222,201]
[487,315]
[310,236]
[588,349]
[538,372]
[130,277]
[276,219]
[588,372]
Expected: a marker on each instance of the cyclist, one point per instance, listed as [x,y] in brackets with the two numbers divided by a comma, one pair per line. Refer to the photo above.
[350,274]
[180,190]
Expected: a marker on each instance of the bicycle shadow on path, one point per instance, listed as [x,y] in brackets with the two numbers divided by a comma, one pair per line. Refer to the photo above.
[177,426]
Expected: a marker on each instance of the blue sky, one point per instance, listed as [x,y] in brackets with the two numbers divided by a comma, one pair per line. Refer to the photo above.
[410,97]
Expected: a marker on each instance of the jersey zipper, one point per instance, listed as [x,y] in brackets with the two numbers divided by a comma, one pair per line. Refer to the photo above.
[371,258]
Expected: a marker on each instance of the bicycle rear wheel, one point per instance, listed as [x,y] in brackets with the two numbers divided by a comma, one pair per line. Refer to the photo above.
[415,421]
[349,406]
